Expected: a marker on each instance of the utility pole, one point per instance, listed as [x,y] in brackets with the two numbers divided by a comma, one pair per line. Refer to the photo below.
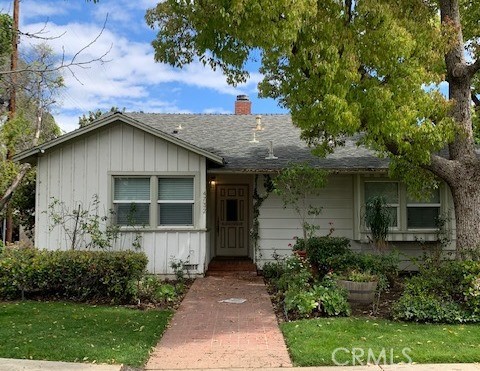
[12,104]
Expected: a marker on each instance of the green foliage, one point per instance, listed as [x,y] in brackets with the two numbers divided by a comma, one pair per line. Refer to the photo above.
[356,275]
[332,300]
[378,219]
[332,254]
[75,275]
[5,34]
[23,202]
[152,289]
[301,295]
[442,292]
[321,249]
[258,201]
[87,119]
[361,68]
[296,185]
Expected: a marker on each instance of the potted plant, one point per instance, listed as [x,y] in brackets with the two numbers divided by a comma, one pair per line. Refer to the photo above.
[361,285]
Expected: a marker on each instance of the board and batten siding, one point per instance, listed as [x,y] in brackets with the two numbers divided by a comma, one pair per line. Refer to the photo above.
[77,170]
[278,225]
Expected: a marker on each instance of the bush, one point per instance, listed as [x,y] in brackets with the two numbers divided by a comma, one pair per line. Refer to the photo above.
[74,275]
[152,289]
[328,254]
[443,292]
[301,295]
[427,308]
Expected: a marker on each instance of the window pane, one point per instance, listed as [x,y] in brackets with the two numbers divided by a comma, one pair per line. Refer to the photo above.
[175,214]
[422,217]
[132,214]
[175,189]
[389,190]
[393,216]
[132,189]
[232,210]
[434,198]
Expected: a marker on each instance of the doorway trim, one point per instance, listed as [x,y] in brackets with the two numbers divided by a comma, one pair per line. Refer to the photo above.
[232,220]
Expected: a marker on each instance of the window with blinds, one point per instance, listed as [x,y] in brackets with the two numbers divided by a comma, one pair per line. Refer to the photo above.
[131,201]
[175,201]
[423,214]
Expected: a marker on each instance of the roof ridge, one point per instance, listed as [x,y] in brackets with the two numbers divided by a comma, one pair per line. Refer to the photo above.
[204,114]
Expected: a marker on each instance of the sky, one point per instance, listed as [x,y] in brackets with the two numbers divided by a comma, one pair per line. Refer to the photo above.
[130,78]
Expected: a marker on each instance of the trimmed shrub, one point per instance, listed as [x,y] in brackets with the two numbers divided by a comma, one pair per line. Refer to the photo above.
[328,254]
[73,275]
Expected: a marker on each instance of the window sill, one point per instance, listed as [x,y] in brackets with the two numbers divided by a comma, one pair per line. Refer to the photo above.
[162,229]
[411,235]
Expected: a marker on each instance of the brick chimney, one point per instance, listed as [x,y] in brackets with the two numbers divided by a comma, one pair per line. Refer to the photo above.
[243,106]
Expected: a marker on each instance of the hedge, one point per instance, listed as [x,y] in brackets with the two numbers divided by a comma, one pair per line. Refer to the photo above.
[72,275]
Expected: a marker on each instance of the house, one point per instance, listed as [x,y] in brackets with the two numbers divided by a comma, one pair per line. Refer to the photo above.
[188,182]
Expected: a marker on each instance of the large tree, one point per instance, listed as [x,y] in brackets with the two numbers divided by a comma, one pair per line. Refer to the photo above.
[342,67]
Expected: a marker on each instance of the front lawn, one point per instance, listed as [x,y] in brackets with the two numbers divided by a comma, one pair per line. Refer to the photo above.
[315,342]
[71,332]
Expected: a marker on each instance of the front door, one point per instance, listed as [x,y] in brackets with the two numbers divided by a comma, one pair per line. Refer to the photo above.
[232,220]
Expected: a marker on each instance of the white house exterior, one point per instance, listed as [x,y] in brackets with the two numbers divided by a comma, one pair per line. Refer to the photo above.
[191,181]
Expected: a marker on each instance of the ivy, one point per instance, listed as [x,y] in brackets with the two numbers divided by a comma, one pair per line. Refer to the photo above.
[258,201]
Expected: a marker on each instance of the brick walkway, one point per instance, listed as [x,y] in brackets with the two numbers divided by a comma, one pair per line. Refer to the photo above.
[207,334]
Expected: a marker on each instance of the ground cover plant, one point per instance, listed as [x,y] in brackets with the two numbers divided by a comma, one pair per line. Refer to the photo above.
[315,342]
[73,332]
[298,294]
[443,291]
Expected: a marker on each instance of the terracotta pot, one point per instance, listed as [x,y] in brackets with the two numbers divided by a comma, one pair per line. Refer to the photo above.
[301,253]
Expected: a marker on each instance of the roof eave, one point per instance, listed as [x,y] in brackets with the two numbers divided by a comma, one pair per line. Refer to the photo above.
[31,154]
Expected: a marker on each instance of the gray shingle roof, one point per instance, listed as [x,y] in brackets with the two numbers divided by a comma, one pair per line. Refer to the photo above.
[230,136]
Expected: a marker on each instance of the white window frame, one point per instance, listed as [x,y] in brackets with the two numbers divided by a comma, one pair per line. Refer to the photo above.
[154,204]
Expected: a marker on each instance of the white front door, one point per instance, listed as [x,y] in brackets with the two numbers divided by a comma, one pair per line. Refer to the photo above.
[232,220]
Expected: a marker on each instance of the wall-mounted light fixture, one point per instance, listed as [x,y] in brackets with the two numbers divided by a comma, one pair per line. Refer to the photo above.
[212,181]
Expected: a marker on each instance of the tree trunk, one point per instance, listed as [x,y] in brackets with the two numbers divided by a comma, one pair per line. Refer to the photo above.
[462,170]
[466,199]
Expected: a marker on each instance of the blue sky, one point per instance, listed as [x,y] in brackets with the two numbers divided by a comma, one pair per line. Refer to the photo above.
[131,78]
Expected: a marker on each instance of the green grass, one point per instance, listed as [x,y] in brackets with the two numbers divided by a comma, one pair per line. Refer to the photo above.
[313,342]
[71,332]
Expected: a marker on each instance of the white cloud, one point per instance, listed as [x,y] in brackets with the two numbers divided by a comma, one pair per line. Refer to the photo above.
[131,78]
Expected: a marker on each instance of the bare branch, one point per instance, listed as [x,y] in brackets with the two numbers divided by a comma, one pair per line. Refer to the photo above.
[64,64]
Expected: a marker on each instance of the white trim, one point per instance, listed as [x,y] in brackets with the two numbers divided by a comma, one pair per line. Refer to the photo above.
[106,120]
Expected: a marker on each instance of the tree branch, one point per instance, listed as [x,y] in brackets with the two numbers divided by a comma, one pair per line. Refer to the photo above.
[473,68]
[476,101]
[69,65]
[13,187]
